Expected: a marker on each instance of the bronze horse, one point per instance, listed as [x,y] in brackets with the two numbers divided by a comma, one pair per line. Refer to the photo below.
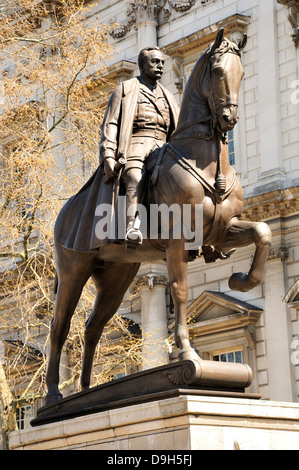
[194,169]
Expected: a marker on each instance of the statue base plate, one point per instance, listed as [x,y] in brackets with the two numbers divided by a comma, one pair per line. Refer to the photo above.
[185,377]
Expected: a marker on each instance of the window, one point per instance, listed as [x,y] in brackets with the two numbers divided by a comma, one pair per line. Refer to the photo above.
[232,356]
[118,375]
[231,147]
[24,415]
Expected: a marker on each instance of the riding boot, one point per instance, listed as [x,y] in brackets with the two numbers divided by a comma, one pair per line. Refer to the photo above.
[134,187]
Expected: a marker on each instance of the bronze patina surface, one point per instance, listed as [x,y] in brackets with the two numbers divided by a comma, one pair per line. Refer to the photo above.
[172,380]
[192,168]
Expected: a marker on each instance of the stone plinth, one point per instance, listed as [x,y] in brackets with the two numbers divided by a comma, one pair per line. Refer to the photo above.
[183,422]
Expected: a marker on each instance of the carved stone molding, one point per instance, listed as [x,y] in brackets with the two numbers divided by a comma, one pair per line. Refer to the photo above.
[120,30]
[234,27]
[281,253]
[180,375]
[177,66]
[138,11]
[250,335]
[145,10]
[118,72]
[150,281]
[292,296]
[203,37]
[279,203]
[293,17]
[183,5]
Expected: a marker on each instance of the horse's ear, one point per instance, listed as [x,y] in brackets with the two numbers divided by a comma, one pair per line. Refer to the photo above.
[218,40]
[242,43]
[220,36]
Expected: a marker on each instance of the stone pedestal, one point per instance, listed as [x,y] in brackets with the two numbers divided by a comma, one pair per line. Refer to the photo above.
[184,422]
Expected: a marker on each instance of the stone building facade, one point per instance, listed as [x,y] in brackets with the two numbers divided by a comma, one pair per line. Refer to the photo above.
[260,327]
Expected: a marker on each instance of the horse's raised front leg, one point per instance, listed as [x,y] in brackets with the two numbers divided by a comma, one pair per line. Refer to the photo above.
[244,233]
[177,260]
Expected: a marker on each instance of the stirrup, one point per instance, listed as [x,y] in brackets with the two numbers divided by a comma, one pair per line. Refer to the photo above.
[133,235]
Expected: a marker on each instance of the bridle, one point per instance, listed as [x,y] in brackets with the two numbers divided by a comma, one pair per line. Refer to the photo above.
[213,117]
[213,120]
[214,106]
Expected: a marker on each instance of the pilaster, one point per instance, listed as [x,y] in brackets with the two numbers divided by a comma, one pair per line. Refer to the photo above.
[152,283]
[146,21]
[277,330]
[143,15]
[268,84]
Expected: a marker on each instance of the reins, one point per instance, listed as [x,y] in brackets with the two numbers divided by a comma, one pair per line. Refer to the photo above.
[220,188]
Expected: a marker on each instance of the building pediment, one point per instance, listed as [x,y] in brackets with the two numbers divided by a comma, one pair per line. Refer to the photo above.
[215,312]
[214,315]
[292,297]
[210,305]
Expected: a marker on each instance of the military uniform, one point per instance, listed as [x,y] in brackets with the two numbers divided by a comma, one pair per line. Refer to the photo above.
[137,121]
[150,127]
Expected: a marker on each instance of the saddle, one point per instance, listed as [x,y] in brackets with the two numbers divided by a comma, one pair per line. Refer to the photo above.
[209,252]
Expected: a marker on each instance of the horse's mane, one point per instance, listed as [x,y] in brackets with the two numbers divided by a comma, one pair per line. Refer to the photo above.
[225,47]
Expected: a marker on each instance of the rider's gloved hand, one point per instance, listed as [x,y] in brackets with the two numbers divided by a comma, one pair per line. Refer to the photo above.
[109,167]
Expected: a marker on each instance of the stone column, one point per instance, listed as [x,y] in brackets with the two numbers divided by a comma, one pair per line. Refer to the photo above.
[153,319]
[293,17]
[146,13]
[268,84]
[277,329]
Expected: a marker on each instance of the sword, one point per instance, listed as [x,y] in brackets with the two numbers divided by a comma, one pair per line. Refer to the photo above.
[118,166]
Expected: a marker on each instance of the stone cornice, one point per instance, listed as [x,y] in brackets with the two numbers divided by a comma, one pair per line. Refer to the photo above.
[228,323]
[119,71]
[140,11]
[203,37]
[278,203]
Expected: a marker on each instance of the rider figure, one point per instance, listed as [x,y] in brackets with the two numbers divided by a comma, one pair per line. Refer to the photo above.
[140,117]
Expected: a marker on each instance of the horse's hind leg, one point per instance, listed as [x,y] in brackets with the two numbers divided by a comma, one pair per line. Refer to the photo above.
[112,282]
[244,233]
[73,271]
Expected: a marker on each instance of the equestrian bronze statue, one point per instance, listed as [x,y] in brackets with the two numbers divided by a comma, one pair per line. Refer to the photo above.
[189,167]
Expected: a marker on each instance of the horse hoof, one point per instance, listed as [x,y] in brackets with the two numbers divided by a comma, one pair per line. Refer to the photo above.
[189,355]
[52,398]
[242,282]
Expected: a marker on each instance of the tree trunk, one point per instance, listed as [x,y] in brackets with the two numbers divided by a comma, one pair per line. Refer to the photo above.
[8,415]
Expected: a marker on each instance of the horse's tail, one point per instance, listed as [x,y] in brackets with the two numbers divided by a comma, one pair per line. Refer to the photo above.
[55,283]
